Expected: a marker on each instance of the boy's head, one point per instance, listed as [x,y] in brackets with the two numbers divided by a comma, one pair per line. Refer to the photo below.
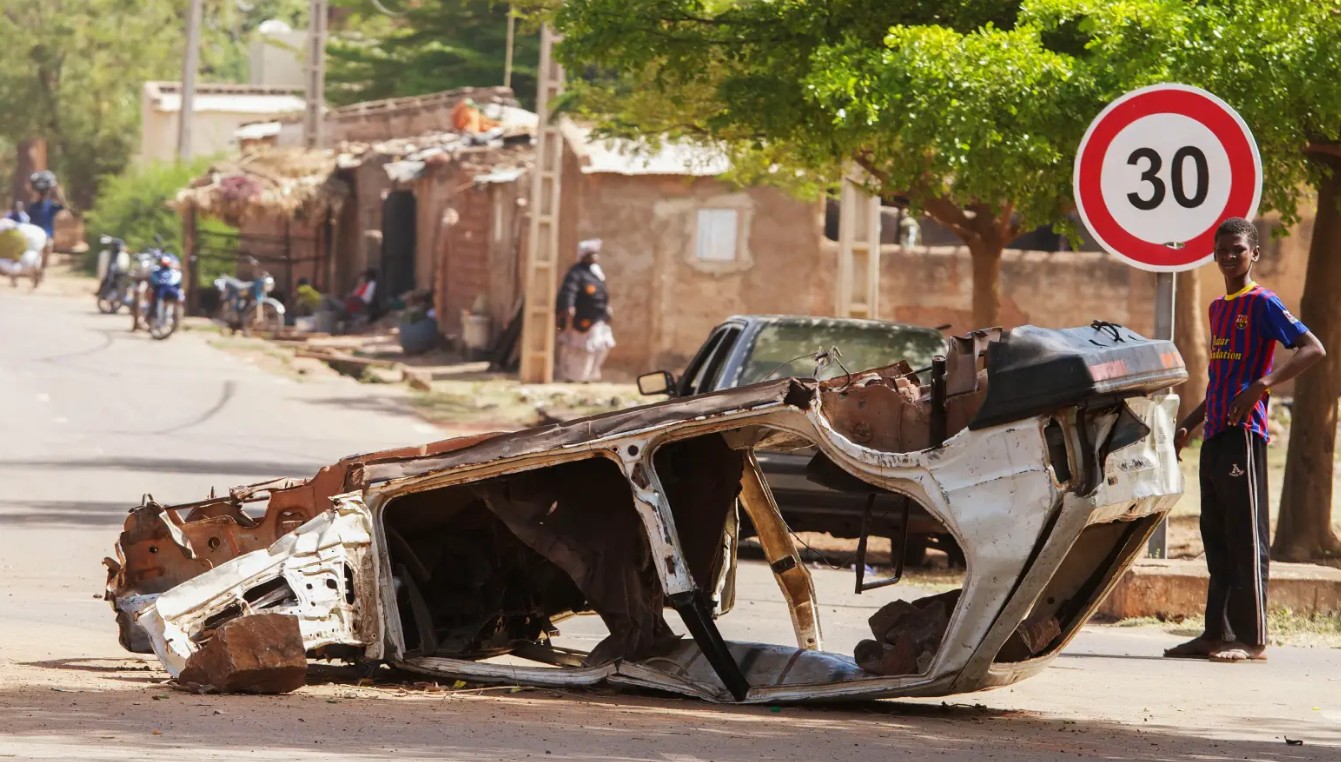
[1236,248]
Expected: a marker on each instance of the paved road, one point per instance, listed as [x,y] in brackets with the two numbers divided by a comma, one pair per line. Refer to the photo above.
[92,417]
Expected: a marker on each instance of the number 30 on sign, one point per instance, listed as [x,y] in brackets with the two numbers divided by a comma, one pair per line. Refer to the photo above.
[1159,169]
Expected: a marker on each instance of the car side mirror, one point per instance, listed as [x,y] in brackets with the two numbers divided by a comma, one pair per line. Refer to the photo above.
[658,382]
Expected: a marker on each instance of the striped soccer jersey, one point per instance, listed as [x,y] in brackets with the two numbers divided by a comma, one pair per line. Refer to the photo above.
[1245,327]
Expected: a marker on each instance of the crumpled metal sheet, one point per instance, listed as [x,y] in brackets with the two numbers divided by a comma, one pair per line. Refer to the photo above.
[324,575]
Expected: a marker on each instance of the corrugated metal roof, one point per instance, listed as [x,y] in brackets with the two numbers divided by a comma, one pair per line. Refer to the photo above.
[628,157]
[257,131]
[239,103]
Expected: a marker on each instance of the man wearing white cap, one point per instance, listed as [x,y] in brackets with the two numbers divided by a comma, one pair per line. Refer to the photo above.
[583,308]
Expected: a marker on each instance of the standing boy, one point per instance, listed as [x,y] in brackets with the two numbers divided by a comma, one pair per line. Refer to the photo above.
[1246,324]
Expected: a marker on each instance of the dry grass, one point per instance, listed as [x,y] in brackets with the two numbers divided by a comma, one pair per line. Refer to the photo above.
[504,403]
[1284,628]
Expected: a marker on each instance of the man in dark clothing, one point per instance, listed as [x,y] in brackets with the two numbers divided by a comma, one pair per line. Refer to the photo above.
[42,212]
[584,315]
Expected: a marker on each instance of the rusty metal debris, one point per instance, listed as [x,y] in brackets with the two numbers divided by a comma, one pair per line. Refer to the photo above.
[447,558]
[907,635]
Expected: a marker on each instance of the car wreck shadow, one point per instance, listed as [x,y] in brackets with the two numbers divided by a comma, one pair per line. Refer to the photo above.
[248,468]
[372,403]
[97,513]
[123,670]
[476,725]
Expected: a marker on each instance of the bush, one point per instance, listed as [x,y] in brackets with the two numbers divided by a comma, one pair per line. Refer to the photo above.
[133,206]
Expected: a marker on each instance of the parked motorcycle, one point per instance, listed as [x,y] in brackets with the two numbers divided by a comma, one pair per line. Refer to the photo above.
[143,266]
[245,306]
[160,297]
[118,267]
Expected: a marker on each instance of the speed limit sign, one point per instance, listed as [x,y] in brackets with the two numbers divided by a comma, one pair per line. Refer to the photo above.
[1159,169]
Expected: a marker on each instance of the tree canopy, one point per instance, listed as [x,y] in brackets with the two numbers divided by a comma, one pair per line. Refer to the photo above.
[971,109]
[390,48]
[72,72]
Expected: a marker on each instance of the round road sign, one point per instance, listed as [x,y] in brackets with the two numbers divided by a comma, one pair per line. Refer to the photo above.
[1159,169]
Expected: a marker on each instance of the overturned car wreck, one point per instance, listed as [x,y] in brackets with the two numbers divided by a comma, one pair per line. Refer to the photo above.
[1048,455]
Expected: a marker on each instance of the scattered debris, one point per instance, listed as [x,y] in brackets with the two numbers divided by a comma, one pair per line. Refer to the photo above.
[908,635]
[1030,638]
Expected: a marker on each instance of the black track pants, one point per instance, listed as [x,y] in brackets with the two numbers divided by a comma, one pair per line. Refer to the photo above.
[1236,532]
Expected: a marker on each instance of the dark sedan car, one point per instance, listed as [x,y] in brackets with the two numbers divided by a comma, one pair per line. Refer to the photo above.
[747,349]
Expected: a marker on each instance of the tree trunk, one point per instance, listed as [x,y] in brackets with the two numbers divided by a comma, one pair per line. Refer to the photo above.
[31,157]
[986,255]
[1305,529]
[1189,335]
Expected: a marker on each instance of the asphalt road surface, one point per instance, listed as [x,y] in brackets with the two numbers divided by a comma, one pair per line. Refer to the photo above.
[92,417]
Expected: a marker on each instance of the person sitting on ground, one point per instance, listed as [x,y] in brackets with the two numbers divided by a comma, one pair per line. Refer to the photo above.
[17,214]
[307,299]
[361,302]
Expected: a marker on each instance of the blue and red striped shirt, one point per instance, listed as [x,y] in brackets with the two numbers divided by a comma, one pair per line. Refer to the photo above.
[1245,327]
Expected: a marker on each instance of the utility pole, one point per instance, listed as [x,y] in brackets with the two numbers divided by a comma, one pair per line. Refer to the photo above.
[511,40]
[316,74]
[190,64]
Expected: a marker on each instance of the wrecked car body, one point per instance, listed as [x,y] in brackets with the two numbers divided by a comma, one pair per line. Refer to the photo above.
[1048,455]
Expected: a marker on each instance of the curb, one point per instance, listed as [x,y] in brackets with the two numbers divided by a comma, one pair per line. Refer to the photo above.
[1167,589]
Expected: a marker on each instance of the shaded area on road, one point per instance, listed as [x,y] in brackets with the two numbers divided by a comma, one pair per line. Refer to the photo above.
[475,725]
[96,513]
[169,465]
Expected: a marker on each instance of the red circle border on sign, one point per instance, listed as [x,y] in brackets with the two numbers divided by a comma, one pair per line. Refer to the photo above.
[1219,118]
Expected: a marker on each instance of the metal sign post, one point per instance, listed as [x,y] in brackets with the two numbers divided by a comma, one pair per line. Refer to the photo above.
[1157,172]
[1166,298]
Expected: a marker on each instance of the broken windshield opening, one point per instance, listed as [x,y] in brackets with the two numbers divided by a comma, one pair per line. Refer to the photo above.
[863,345]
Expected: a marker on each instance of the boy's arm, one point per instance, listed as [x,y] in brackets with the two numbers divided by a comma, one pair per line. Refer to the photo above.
[1189,425]
[1308,354]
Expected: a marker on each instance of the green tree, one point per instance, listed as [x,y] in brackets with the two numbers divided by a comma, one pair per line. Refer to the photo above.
[72,71]
[133,205]
[963,107]
[71,75]
[427,47]
[1280,64]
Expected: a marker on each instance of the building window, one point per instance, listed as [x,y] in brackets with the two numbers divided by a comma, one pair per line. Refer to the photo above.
[718,235]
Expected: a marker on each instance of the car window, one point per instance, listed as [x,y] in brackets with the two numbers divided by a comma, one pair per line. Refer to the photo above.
[862,345]
[707,362]
[712,370]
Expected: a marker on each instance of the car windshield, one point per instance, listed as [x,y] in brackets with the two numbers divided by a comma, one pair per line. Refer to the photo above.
[862,346]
